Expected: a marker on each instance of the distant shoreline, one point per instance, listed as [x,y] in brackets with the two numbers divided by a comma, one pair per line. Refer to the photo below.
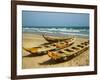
[78,31]
[56,27]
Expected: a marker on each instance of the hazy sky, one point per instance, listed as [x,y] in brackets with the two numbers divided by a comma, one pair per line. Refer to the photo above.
[33,18]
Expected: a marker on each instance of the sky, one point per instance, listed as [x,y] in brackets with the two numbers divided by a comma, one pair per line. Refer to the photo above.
[41,18]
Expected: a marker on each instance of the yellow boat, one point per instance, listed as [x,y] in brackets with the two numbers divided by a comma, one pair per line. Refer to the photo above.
[69,52]
[43,49]
[51,39]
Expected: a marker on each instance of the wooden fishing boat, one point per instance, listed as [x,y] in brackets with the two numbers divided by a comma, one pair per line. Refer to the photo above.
[43,49]
[68,53]
[53,39]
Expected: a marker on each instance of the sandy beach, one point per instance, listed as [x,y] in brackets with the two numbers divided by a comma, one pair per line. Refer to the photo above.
[44,61]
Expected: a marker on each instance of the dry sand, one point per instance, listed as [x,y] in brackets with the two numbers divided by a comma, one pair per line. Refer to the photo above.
[44,61]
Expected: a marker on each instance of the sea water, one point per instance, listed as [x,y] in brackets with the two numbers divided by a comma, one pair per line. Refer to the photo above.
[59,30]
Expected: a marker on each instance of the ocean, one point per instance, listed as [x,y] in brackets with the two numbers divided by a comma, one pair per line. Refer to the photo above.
[72,30]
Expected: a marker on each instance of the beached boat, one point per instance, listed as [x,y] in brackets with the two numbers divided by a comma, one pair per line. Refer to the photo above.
[43,49]
[53,39]
[69,52]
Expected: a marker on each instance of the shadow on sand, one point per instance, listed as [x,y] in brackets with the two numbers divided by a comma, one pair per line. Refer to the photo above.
[34,55]
[45,44]
[52,62]
[48,62]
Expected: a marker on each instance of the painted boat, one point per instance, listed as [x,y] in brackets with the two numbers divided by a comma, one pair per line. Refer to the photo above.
[51,39]
[43,49]
[69,52]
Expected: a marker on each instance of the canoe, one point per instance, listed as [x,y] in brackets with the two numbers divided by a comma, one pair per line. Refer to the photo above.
[43,49]
[51,39]
[69,52]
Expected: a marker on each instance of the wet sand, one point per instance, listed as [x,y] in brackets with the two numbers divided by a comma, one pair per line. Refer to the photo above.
[44,61]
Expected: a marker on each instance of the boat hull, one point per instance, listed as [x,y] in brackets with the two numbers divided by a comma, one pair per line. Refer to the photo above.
[43,49]
[58,56]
